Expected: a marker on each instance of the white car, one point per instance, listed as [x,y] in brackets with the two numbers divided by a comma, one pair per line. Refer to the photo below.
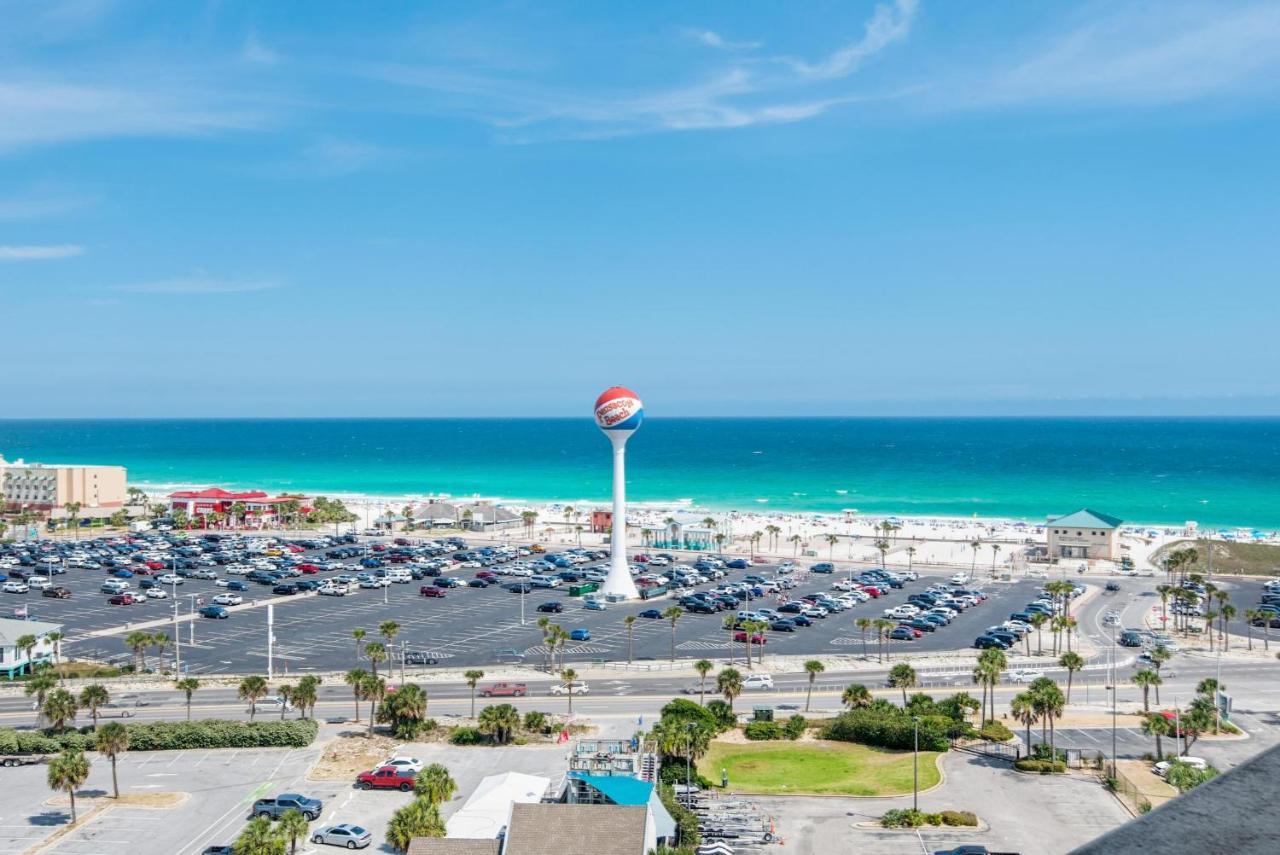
[15,586]
[39,582]
[228,600]
[960,579]
[758,681]
[398,762]
[1025,675]
[170,579]
[903,611]
[272,702]
[577,687]
[1197,763]
[339,589]
[156,594]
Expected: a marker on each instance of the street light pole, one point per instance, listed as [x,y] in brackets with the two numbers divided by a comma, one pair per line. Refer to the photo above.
[1115,690]
[915,767]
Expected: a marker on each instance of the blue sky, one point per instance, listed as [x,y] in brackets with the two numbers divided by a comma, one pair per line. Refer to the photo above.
[904,207]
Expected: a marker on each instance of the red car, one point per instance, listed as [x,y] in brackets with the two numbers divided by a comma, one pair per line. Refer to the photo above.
[486,574]
[401,541]
[155,565]
[430,591]
[386,778]
[640,558]
[379,547]
[741,637]
[504,690]
[309,569]
[915,633]
[294,548]
[872,590]
[121,600]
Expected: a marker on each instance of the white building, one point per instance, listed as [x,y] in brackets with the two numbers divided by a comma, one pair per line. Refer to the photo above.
[14,661]
[488,811]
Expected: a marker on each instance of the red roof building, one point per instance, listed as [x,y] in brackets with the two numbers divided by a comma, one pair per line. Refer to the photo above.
[198,503]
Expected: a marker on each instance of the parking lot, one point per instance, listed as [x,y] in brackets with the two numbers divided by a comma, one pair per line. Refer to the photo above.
[468,626]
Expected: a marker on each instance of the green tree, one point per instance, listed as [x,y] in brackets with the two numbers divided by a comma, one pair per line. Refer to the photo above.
[307,694]
[419,818]
[499,722]
[39,684]
[1023,708]
[375,652]
[73,516]
[66,773]
[138,642]
[111,741]
[252,689]
[92,698]
[1049,703]
[568,675]
[405,710]
[259,837]
[813,668]
[673,614]
[630,622]
[729,685]
[358,635]
[355,679]
[1144,679]
[1073,662]
[287,699]
[1185,777]
[55,640]
[374,689]
[59,708]
[902,676]
[473,677]
[389,629]
[1158,726]
[435,784]
[855,696]
[293,826]
[864,626]
[703,667]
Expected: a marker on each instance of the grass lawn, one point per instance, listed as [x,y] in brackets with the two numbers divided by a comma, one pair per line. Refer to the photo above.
[834,768]
[1259,559]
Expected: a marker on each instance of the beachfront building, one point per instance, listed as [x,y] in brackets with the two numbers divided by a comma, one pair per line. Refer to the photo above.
[486,813]
[258,507]
[1084,535]
[472,516]
[44,487]
[684,531]
[15,661]
[557,829]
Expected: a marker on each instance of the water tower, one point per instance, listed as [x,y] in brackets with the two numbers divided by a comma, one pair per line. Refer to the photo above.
[619,413]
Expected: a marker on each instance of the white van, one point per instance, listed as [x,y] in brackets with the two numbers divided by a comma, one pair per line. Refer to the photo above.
[545,581]
[115,586]
[399,574]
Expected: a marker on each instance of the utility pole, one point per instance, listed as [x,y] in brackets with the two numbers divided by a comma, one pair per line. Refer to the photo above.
[271,637]
[1115,690]
[177,632]
[915,767]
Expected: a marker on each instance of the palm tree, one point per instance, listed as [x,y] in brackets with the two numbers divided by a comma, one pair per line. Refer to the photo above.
[92,697]
[995,551]
[500,721]
[111,741]
[863,625]
[160,641]
[355,679]
[374,689]
[292,827]
[1050,703]
[358,635]
[188,686]
[795,540]
[55,639]
[1159,656]
[832,540]
[388,630]
[435,784]
[569,675]
[855,696]
[73,516]
[419,818]
[902,676]
[703,667]
[813,668]
[883,628]
[911,554]
[67,772]
[1145,679]
[59,708]
[630,621]
[1023,708]
[288,698]
[472,677]
[1227,611]
[375,652]
[251,689]
[974,545]
[39,685]
[1038,621]
[306,694]
[27,644]
[138,642]
[883,547]
[1073,662]
[259,837]
[729,684]
[673,614]
[1159,727]
[773,531]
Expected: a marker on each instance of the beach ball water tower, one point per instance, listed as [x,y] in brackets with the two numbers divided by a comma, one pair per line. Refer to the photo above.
[619,414]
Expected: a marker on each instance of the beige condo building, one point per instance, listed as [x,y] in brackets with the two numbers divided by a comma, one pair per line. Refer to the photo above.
[44,487]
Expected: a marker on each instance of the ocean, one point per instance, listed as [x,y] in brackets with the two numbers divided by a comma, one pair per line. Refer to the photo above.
[1219,472]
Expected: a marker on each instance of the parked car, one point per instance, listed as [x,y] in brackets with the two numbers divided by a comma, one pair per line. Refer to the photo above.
[551,607]
[504,690]
[57,592]
[387,778]
[345,835]
[577,687]
[228,600]
[756,637]
[281,804]
[216,612]
[431,591]
[580,634]
[121,600]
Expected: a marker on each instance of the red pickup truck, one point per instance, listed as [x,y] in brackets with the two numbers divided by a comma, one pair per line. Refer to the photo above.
[386,778]
[504,690]
[430,591]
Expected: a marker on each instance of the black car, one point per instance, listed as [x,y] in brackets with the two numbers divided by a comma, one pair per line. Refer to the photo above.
[286,590]
[420,657]
[700,607]
[478,583]
[791,608]
[801,620]
[551,608]
[519,587]
[989,642]
[923,625]
[307,585]
[651,614]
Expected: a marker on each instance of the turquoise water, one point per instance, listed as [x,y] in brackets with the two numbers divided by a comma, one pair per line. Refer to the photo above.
[1215,471]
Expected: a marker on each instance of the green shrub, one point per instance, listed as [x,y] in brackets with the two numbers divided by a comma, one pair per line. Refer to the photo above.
[1040,751]
[906,818]
[536,722]
[888,726]
[795,727]
[673,772]
[1144,806]
[172,736]
[961,818]
[466,736]
[722,714]
[1044,767]
[686,820]
[995,731]
[763,730]
[902,818]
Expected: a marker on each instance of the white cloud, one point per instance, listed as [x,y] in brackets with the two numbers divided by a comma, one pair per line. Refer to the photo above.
[201,285]
[711,38]
[888,24]
[1142,55]
[38,204]
[40,253]
[36,111]
[254,52]
[333,156]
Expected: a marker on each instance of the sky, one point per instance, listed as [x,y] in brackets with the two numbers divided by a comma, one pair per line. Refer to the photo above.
[735,208]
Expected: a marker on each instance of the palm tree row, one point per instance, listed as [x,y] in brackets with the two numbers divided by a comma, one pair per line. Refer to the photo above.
[1042,702]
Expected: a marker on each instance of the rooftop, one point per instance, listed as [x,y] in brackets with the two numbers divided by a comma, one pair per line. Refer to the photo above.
[452,846]
[1087,518]
[558,829]
[11,629]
